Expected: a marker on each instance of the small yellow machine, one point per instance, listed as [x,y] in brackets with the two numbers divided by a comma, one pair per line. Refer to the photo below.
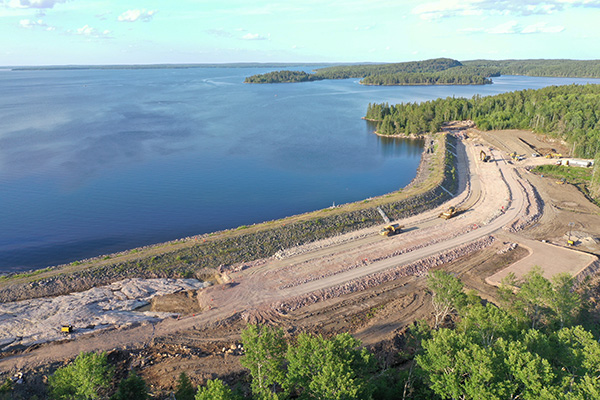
[391,230]
[483,157]
[66,329]
[449,213]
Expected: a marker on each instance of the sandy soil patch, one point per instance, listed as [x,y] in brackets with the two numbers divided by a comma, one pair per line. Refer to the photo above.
[550,258]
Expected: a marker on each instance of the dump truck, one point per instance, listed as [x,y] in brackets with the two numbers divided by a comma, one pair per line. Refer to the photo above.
[391,230]
[483,157]
[449,213]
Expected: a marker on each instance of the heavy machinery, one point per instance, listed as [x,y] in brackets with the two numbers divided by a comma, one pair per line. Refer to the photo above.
[483,157]
[449,213]
[516,157]
[554,155]
[66,329]
[391,230]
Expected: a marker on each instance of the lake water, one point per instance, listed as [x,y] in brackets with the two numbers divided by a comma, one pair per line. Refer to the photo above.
[98,161]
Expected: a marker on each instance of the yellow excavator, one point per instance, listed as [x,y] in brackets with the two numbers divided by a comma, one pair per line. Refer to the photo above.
[391,230]
[483,157]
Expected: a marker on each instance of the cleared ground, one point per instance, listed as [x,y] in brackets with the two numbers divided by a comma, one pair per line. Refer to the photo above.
[551,258]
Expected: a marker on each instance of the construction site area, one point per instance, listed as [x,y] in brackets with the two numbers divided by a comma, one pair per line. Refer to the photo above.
[370,282]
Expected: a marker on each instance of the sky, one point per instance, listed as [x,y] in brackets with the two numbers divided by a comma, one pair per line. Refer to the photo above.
[83,32]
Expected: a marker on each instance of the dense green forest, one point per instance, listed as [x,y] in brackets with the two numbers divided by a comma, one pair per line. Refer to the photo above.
[558,68]
[425,79]
[284,76]
[570,112]
[412,67]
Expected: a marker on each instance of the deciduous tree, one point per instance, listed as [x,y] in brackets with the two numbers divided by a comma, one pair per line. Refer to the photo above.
[88,377]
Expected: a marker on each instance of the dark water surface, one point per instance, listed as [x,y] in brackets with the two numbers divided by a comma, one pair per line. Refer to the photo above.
[97,161]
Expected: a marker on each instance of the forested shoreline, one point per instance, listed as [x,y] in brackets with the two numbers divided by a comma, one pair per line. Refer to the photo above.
[549,68]
[437,71]
[570,112]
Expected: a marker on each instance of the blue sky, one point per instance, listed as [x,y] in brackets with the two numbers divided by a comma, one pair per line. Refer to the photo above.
[54,32]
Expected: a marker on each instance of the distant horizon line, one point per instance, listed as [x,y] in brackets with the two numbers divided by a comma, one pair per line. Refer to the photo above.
[245,64]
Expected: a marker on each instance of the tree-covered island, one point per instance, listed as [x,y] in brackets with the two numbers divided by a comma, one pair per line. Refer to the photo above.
[437,71]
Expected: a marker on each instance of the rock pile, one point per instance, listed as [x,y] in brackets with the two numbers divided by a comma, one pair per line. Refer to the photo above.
[40,320]
[418,268]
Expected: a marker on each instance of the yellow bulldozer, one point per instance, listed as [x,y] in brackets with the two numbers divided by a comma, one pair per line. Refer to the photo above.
[391,230]
[449,213]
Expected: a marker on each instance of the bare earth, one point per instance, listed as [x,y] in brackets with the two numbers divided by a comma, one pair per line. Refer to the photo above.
[370,285]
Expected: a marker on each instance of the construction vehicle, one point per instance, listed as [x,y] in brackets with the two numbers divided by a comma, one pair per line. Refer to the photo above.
[391,230]
[516,157]
[483,157]
[449,213]
[66,329]
[554,155]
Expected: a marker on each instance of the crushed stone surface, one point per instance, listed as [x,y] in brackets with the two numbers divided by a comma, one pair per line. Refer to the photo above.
[40,320]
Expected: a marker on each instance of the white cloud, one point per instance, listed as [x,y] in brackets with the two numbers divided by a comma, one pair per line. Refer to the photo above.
[33,3]
[253,36]
[86,30]
[443,8]
[28,24]
[541,27]
[505,28]
[89,31]
[135,15]
[33,24]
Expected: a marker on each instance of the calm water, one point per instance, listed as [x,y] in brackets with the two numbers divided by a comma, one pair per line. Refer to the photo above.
[100,161]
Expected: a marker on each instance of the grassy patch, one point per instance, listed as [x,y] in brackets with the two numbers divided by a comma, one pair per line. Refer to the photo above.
[573,175]
[27,274]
